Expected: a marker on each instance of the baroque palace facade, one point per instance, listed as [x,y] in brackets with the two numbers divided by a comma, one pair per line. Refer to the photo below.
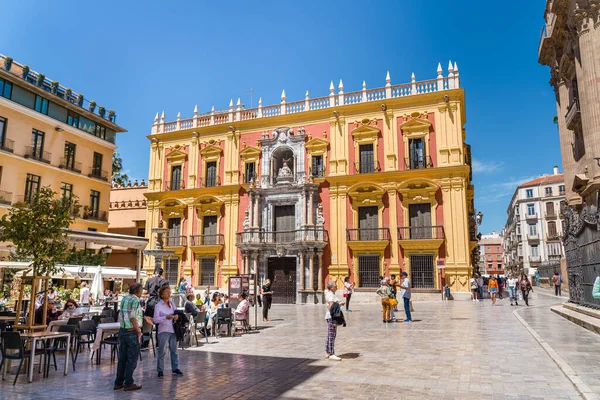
[358,184]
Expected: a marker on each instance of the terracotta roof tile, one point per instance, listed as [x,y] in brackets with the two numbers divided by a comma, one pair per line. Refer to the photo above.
[544,180]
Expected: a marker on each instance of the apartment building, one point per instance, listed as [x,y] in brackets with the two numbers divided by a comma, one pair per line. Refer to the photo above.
[491,261]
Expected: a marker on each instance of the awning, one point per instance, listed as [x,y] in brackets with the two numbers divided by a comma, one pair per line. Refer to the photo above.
[14,265]
[87,272]
[98,240]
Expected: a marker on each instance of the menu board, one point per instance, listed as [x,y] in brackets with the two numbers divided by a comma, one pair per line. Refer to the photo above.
[237,285]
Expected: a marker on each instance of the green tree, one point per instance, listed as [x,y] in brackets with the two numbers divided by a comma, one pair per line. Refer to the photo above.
[37,230]
[555,119]
[117,170]
[84,257]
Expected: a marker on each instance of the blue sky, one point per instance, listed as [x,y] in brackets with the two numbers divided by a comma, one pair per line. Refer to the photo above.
[172,55]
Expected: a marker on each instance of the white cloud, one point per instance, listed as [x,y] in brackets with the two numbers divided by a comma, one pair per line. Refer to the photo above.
[495,192]
[485,167]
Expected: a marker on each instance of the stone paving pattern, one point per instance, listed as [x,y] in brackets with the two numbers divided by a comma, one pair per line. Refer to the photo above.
[453,350]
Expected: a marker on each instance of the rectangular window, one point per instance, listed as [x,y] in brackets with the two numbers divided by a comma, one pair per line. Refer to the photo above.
[489,249]
[100,131]
[174,236]
[490,266]
[529,193]
[417,153]
[172,269]
[176,183]
[532,230]
[367,162]
[250,172]
[530,209]
[561,189]
[141,232]
[32,186]
[489,258]
[66,190]
[498,257]
[69,155]
[548,191]
[211,174]
[94,203]
[37,144]
[207,271]
[5,89]
[41,105]
[3,123]
[535,252]
[317,166]
[97,165]
[73,119]
[499,266]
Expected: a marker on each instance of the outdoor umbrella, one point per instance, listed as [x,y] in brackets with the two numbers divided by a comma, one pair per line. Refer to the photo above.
[97,289]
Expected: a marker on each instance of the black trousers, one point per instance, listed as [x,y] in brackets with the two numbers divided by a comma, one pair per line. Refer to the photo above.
[348,301]
[525,293]
[267,299]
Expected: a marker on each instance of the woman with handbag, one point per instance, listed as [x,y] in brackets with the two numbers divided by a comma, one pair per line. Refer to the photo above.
[385,292]
[348,290]
[525,286]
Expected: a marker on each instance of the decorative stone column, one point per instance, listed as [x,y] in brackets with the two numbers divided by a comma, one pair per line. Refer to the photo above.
[254,262]
[311,270]
[301,255]
[320,271]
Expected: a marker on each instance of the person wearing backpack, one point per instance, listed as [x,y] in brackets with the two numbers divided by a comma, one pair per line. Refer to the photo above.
[152,287]
[557,280]
[165,316]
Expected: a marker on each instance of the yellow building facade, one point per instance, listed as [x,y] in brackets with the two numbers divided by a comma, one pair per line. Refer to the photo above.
[51,136]
[358,184]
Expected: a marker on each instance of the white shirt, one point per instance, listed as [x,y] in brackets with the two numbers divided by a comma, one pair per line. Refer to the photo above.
[84,296]
[347,287]
[512,282]
[329,297]
[405,292]
[473,283]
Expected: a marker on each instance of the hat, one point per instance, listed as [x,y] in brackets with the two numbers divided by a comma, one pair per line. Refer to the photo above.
[404,273]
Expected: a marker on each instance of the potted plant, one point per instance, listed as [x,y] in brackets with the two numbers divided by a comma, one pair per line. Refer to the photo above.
[92,106]
[8,63]
[80,100]
[54,87]
[68,93]
[111,115]
[40,79]
[25,71]
[101,111]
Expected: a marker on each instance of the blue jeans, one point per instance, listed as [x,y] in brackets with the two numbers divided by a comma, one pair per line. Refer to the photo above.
[129,351]
[407,308]
[165,338]
[513,293]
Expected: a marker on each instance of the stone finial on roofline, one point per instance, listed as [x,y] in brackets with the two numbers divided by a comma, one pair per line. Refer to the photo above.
[331,87]
[196,110]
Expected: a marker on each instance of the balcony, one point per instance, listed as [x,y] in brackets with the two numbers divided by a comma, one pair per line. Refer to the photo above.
[418,163]
[35,153]
[205,245]
[304,235]
[95,215]
[174,185]
[248,178]
[573,115]
[372,239]
[421,237]
[209,182]
[553,236]
[366,167]
[98,173]
[5,197]
[548,194]
[69,164]
[562,193]
[551,214]
[176,243]
[8,145]
[317,172]
[535,259]
[531,216]
[533,238]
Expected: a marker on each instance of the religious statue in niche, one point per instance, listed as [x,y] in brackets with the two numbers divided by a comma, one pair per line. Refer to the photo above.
[320,217]
[285,170]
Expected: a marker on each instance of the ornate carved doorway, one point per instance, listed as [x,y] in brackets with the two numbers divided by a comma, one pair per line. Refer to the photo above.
[282,273]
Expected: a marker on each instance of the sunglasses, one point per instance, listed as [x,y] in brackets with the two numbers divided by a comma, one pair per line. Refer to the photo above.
[71,305]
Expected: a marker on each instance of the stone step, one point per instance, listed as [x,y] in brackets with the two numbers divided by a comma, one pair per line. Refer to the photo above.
[582,316]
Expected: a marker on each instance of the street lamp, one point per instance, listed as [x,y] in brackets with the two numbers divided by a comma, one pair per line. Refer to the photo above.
[106,250]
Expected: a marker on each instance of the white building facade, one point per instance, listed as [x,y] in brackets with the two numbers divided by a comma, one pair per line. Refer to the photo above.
[534,227]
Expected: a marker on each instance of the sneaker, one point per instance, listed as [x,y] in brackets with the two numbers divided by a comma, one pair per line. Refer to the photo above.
[118,387]
[384,321]
[477,300]
[132,387]
[178,372]
[160,374]
[511,304]
[327,356]
[348,310]
[333,357]
[407,320]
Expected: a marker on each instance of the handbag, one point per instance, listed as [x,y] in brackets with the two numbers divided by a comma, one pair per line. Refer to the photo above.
[393,302]
[345,294]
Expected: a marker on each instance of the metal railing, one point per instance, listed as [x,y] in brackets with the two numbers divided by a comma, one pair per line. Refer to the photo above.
[249,178]
[174,185]
[209,182]
[5,197]
[8,145]
[366,167]
[358,234]
[535,259]
[420,232]
[306,234]
[71,165]
[550,213]
[207,240]
[176,241]
[95,215]
[36,153]
[317,172]
[533,238]
[531,216]
[98,173]
[418,163]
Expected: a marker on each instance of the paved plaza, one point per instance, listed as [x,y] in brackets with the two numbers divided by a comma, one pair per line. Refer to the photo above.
[454,350]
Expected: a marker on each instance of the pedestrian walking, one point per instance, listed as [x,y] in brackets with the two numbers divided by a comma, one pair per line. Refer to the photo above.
[151,288]
[512,283]
[525,286]
[480,286]
[164,317]
[385,292]
[474,288]
[267,294]
[348,290]
[493,288]
[500,286]
[130,334]
[330,299]
[405,293]
[557,280]
[394,285]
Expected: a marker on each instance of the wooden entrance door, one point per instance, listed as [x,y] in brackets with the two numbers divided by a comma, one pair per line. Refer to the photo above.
[209,229]
[420,221]
[368,223]
[282,273]
[285,223]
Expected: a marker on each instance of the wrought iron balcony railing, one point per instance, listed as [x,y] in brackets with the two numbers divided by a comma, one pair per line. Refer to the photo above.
[366,167]
[95,215]
[207,240]
[35,153]
[420,232]
[210,181]
[358,234]
[70,164]
[176,241]
[98,173]
[282,237]
[317,172]
[418,162]
[6,197]
[174,185]
[7,145]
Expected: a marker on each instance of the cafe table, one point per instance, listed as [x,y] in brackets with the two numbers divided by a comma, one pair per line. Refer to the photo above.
[35,336]
[103,330]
